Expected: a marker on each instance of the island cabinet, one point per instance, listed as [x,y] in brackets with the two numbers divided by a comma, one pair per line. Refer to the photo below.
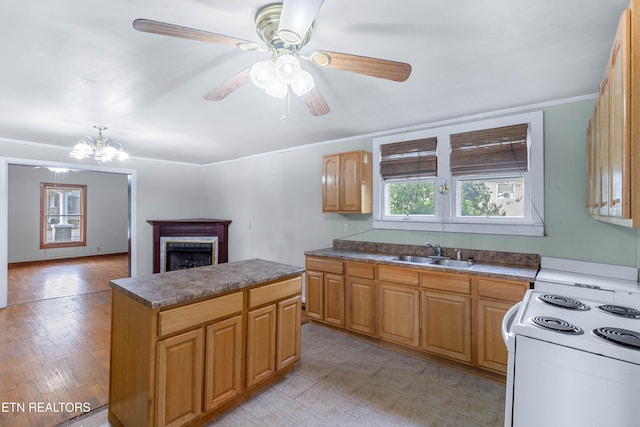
[399,305]
[361,297]
[494,298]
[446,315]
[325,295]
[273,330]
[184,362]
[347,184]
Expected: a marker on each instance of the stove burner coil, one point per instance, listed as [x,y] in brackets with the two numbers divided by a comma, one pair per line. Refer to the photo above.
[563,302]
[623,337]
[555,324]
[620,310]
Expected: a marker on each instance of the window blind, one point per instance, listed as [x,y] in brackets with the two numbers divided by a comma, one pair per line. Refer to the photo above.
[502,149]
[405,159]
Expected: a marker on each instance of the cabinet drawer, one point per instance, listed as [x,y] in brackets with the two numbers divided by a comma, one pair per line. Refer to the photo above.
[398,275]
[502,289]
[447,282]
[275,291]
[188,316]
[359,269]
[325,265]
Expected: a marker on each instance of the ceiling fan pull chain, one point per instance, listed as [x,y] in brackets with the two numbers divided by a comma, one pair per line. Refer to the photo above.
[285,105]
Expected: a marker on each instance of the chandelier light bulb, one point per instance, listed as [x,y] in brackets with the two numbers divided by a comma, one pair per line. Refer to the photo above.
[287,68]
[277,89]
[303,84]
[263,74]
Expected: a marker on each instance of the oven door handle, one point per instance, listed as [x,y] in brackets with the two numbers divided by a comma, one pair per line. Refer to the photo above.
[507,320]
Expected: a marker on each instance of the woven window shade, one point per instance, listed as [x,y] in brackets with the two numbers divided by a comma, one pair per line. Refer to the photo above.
[409,159]
[501,149]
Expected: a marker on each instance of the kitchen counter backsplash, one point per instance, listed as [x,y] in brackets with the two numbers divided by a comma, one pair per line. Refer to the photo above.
[493,257]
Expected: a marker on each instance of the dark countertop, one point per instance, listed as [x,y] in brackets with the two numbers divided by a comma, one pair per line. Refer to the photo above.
[523,273]
[180,286]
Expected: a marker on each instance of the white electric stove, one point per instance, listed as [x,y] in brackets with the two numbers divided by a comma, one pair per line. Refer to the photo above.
[574,347]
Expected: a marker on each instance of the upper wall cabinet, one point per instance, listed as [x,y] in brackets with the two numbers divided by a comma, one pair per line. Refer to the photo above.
[613,130]
[347,182]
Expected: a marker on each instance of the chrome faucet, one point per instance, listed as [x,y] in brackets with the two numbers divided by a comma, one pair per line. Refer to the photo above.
[437,249]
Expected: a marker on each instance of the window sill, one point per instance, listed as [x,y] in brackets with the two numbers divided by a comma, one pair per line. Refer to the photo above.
[453,227]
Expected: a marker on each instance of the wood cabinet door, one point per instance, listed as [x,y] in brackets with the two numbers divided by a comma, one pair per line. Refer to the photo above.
[604,98]
[334,299]
[261,344]
[314,297]
[398,314]
[288,332]
[446,325]
[361,305]
[223,358]
[350,180]
[619,144]
[179,376]
[492,352]
[331,183]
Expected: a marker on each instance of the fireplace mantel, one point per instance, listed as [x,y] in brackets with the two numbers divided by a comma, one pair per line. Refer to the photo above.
[190,227]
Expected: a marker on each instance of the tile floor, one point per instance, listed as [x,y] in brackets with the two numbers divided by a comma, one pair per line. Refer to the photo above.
[341,381]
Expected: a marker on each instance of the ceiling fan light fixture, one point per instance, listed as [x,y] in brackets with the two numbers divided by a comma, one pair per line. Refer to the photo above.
[303,84]
[297,20]
[263,74]
[287,68]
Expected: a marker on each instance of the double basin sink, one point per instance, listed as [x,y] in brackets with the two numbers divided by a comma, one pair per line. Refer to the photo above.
[439,261]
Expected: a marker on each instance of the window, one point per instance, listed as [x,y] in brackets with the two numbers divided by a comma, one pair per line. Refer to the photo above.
[62,215]
[478,177]
[409,170]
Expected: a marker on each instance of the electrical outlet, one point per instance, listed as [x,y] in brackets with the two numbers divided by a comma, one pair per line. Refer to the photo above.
[98,249]
[345,227]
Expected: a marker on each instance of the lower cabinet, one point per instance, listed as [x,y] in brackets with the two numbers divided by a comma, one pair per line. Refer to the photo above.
[495,298]
[273,339]
[492,353]
[223,362]
[288,333]
[180,371]
[449,314]
[446,325]
[360,297]
[361,305]
[325,295]
[180,378]
[399,314]
[261,344]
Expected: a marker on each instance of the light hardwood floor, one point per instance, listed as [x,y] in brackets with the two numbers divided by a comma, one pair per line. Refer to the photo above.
[54,344]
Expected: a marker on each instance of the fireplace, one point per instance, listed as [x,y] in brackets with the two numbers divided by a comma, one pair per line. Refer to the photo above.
[187,243]
[179,253]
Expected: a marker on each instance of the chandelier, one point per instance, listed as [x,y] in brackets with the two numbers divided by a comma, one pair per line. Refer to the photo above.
[102,150]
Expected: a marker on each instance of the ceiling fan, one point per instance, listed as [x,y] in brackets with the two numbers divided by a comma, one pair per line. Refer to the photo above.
[285,29]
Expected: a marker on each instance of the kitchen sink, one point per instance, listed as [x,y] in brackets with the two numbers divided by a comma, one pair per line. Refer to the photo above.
[453,263]
[411,258]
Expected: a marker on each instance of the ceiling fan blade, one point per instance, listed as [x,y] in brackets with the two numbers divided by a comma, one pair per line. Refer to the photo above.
[316,103]
[226,88]
[296,19]
[374,67]
[172,30]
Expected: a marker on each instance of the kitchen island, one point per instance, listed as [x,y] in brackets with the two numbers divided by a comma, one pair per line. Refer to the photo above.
[187,345]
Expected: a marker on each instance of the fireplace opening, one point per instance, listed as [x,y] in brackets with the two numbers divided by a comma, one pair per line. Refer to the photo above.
[181,254]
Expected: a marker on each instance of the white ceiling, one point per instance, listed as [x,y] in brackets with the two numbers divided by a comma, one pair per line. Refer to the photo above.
[69,64]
